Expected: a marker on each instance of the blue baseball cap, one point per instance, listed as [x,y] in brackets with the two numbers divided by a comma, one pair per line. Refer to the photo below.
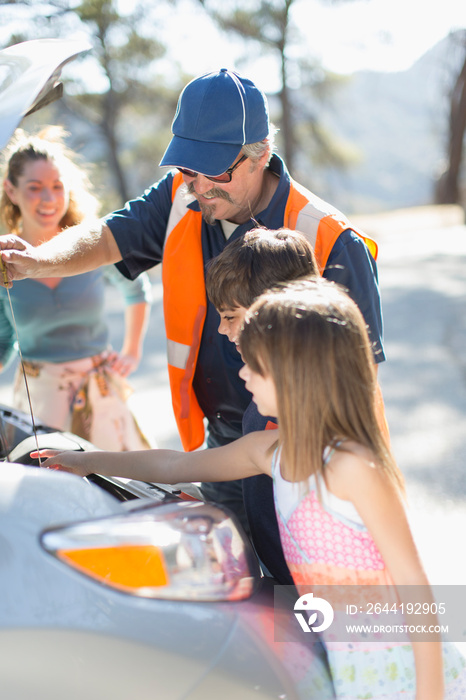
[216,115]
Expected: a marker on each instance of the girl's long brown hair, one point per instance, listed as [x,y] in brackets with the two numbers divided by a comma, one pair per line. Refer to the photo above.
[311,338]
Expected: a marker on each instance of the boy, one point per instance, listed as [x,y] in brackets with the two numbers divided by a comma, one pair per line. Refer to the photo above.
[246,268]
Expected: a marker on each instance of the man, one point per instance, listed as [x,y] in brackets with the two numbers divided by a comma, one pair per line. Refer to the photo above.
[227,182]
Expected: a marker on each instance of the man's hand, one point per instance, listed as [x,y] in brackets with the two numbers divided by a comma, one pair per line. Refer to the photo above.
[19,259]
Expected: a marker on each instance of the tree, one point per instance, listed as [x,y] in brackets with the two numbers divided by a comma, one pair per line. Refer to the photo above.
[120,64]
[268,24]
[121,52]
[448,190]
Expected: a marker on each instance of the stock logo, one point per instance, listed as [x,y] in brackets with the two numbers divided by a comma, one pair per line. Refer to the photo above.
[311,606]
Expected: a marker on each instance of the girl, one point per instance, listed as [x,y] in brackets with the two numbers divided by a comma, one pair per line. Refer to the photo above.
[309,363]
[76,381]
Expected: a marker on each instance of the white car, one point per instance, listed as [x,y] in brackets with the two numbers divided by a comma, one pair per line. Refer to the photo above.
[111,588]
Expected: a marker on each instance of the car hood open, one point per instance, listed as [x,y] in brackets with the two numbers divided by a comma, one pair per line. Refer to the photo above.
[29,78]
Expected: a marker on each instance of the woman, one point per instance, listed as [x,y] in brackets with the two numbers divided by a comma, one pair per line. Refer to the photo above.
[76,381]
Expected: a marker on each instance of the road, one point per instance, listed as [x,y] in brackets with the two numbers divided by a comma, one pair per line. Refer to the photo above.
[422,274]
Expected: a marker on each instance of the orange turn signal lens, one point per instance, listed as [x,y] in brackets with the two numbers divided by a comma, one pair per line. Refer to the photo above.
[126,567]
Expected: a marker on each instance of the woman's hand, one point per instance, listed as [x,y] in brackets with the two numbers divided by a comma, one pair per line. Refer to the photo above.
[121,363]
[71,461]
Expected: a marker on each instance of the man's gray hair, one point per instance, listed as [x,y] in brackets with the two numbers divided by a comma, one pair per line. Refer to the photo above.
[255,151]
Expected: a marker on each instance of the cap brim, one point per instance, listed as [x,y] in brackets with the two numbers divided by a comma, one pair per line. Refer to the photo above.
[201,156]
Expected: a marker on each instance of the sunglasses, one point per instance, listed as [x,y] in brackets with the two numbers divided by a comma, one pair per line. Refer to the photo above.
[222,179]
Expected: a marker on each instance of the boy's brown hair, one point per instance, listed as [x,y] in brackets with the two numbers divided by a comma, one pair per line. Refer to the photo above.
[257,261]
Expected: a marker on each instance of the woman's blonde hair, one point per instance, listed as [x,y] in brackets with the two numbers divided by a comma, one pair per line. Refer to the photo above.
[311,338]
[47,144]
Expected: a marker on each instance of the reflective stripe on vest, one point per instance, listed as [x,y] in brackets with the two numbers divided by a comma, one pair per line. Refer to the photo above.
[177,353]
[184,302]
[184,295]
[319,222]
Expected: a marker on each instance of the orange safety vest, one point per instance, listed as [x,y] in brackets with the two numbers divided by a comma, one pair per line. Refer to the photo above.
[184,294]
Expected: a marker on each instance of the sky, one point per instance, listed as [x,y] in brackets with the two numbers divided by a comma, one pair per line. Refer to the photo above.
[386,35]
[350,35]
[383,35]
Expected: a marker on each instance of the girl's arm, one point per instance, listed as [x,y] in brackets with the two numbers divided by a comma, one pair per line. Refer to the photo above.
[242,458]
[379,503]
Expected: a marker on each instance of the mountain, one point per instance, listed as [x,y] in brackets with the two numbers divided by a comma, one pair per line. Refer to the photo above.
[398,124]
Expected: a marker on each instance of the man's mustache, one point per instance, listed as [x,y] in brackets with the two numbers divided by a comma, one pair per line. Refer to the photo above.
[214,192]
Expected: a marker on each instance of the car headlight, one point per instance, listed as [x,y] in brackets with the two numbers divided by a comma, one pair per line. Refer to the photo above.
[176,551]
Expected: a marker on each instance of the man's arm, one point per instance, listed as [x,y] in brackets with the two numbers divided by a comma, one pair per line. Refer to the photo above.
[76,250]
[351,265]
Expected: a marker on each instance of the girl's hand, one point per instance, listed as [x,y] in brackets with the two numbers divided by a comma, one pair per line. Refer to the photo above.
[71,461]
